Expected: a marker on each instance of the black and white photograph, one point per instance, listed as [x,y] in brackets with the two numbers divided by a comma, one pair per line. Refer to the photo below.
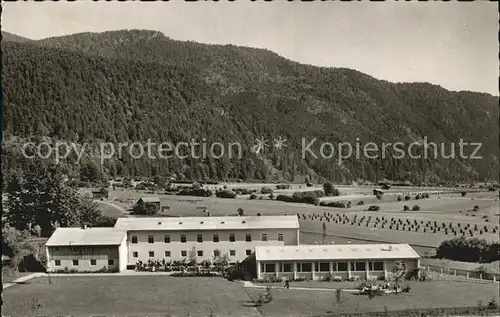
[250,158]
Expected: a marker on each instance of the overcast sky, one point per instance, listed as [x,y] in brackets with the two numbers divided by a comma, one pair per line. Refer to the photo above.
[451,44]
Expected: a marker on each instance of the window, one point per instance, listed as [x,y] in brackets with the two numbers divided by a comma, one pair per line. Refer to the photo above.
[264,237]
[167,254]
[287,267]
[166,239]
[342,267]
[248,237]
[134,239]
[216,252]
[248,252]
[232,238]
[269,268]
[151,254]
[183,238]
[135,254]
[216,237]
[322,267]
[184,253]
[200,253]
[56,249]
[232,252]
[376,266]
[199,238]
[358,266]
[151,239]
[111,262]
[57,262]
[304,267]
[75,262]
[280,237]
[74,249]
[93,262]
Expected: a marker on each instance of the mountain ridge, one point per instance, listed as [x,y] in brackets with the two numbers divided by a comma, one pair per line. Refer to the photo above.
[259,93]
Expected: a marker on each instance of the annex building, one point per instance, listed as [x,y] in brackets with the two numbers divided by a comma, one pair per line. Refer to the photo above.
[86,249]
[364,261]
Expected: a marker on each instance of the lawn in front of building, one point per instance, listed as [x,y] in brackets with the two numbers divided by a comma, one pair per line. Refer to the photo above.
[432,294]
[127,296]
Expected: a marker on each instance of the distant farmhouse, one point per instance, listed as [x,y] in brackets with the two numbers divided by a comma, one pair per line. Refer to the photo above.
[150,202]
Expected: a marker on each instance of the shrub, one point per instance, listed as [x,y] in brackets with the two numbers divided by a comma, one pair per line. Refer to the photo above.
[330,190]
[400,198]
[407,197]
[266,190]
[283,186]
[374,208]
[464,193]
[198,192]
[359,203]
[416,208]
[271,196]
[253,196]
[309,184]
[379,196]
[476,208]
[386,186]
[406,208]
[225,194]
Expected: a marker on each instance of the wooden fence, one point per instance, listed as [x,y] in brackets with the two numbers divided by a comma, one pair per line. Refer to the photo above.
[445,311]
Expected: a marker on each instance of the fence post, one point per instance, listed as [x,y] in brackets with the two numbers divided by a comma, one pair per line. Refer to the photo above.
[455,273]
[441,270]
[481,277]
[467,275]
[494,278]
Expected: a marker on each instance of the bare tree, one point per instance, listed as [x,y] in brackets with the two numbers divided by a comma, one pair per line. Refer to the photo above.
[338,299]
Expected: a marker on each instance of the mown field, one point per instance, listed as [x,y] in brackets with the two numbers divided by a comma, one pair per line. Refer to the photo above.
[447,209]
[127,296]
[431,294]
[199,296]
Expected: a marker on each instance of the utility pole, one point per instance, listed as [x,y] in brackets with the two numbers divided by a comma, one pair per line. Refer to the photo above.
[324,232]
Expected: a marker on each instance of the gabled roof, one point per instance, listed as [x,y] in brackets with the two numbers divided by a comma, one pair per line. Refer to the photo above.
[335,252]
[208,223]
[88,236]
[150,199]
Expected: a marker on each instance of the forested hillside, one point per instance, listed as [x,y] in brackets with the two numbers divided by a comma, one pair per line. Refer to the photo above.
[127,86]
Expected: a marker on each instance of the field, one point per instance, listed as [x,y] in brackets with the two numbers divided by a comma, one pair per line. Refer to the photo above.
[198,296]
[127,296]
[423,295]
[451,209]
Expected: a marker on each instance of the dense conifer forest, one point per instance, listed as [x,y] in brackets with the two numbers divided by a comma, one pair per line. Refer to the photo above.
[135,85]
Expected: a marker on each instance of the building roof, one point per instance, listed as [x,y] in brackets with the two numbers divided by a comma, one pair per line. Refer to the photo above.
[208,223]
[88,236]
[149,199]
[335,252]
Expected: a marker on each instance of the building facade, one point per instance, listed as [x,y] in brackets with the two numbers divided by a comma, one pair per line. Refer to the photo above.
[179,238]
[371,261]
[86,250]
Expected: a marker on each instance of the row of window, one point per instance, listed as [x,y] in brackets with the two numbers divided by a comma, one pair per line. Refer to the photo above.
[77,262]
[184,253]
[322,267]
[199,238]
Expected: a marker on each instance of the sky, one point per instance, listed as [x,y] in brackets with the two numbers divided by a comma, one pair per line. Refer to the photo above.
[452,44]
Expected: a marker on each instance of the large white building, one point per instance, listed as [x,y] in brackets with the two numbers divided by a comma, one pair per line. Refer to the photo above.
[176,238]
[271,241]
[364,261]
